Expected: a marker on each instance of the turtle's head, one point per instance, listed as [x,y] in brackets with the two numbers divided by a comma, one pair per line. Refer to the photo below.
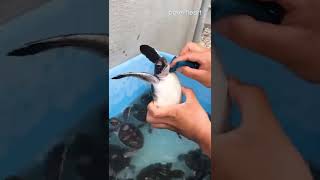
[114,122]
[161,65]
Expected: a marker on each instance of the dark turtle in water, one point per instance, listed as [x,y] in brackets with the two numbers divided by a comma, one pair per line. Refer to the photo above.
[198,162]
[159,171]
[118,159]
[128,134]
[138,111]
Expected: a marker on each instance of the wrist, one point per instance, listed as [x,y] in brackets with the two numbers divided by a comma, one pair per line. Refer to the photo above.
[203,138]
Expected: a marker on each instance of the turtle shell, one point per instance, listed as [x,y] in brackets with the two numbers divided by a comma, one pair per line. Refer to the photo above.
[131,136]
[117,159]
[197,162]
[138,111]
[159,171]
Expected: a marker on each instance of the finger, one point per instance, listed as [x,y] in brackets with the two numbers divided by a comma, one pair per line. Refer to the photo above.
[265,38]
[190,96]
[192,73]
[161,112]
[192,47]
[253,104]
[191,56]
[163,126]
[163,120]
[152,108]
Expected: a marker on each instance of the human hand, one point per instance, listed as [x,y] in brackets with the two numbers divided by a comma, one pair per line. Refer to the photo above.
[294,43]
[196,53]
[188,119]
[258,149]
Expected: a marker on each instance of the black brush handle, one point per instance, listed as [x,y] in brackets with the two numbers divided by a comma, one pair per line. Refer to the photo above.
[190,64]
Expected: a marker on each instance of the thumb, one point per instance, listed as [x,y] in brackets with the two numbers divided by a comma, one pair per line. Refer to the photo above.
[253,104]
[190,96]
[191,72]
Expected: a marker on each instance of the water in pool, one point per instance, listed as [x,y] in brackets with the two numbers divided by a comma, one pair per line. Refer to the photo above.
[136,151]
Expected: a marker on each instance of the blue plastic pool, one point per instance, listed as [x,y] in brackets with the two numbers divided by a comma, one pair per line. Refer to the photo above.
[161,145]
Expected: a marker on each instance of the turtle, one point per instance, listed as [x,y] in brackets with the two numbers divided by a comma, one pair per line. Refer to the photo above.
[165,84]
[138,111]
[128,134]
[118,159]
[198,162]
[159,171]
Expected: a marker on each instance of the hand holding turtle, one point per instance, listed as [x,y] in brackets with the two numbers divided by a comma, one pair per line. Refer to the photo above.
[188,119]
[196,53]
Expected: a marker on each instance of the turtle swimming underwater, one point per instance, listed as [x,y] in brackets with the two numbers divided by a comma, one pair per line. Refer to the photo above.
[159,171]
[127,133]
[198,162]
[117,159]
[137,111]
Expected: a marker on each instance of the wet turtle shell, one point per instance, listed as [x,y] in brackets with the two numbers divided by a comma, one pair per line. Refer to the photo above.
[131,136]
[117,159]
[138,111]
[198,162]
[114,124]
[159,171]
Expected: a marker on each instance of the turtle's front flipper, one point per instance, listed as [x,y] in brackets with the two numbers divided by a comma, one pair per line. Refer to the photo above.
[141,75]
[96,42]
